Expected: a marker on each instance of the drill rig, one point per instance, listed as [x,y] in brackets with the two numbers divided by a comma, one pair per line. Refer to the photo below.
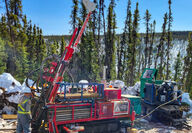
[74,107]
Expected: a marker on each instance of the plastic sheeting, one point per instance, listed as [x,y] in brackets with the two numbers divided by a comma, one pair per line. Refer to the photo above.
[9,109]
[117,83]
[7,124]
[6,80]
[186,99]
[131,90]
[14,98]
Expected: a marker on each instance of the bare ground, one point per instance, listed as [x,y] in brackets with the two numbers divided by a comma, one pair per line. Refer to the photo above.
[150,127]
[142,126]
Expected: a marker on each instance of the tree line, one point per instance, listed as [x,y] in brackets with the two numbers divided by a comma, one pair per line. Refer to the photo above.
[23,47]
[124,55]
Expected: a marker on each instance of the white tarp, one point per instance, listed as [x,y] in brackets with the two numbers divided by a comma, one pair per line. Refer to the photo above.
[7,124]
[186,99]
[131,90]
[14,98]
[117,83]
[9,109]
[6,81]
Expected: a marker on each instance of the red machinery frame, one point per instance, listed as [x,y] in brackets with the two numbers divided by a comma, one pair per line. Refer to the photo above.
[91,118]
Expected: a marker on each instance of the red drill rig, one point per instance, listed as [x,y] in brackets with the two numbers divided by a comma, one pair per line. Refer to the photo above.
[75,107]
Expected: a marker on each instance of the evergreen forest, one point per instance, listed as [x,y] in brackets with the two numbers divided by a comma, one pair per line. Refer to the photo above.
[23,46]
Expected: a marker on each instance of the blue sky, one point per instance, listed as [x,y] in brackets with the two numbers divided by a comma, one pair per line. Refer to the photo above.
[53,16]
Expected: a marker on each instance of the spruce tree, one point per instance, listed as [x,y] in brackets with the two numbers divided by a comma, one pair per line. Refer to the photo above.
[147,18]
[151,44]
[162,40]
[104,26]
[110,42]
[83,47]
[161,48]
[74,14]
[132,48]
[94,23]
[122,60]
[99,29]
[57,47]
[177,67]
[37,47]
[94,66]
[53,48]
[169,40]
[113,61]
[119,76]
[63,45]
[88,56]
[10,47]
[140,58]
[42,47]
[17,63]
[129,42]
[19,40]
[31,46]
[3,56]
[4,29]
[188,65]
[22,54]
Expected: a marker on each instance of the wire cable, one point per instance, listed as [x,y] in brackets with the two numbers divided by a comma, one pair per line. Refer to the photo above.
[158,107]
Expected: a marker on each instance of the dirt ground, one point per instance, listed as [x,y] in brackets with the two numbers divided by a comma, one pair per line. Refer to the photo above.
[150,127]
[142,126]
[7,125]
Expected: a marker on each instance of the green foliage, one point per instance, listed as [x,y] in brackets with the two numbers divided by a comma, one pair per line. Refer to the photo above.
[188,65]
[24,47]
[53,48]
[161,49]
[31,45]
[110,53]
[74,14]
[152,39]
[119,58]
[4,29]
[42,47]
[131,67]
[124,48]
[178,68]
[39,44]
[63,45]
[94,66]
[3,56]
[88,60]
[169,40]
[147,18]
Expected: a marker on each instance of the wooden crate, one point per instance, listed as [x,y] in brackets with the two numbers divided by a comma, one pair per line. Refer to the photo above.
[6,116]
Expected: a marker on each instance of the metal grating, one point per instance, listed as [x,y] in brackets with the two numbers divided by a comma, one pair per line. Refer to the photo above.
[65,113]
